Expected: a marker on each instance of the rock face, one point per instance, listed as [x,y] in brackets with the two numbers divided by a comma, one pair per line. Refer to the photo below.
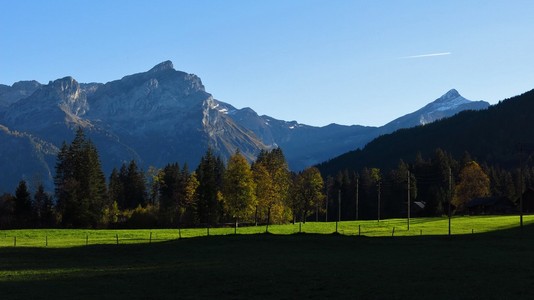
[162,116]
[155,117]
[167,116]
[19,90]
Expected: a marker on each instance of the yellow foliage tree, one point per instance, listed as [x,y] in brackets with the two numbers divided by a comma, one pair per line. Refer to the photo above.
[473,183]
[272,179]
[238,192]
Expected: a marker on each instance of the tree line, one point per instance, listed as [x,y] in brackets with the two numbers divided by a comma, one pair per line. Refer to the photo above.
[261,192]
[371,193]
[214,193]
[493,144]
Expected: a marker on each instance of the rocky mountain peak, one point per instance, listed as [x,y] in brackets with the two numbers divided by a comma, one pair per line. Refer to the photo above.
[65,84]
[451,95]
[164,66]
[68,95]
[19,90]
[26,85]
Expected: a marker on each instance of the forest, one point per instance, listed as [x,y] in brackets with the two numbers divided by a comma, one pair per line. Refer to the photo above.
[214,194]
[496,144]
[430,170]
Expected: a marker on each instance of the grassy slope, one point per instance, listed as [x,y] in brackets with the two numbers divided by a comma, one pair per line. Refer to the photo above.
[425,226]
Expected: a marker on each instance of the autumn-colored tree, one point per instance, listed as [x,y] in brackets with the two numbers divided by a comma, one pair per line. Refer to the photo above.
[265,191]
[473,183]
[272,178]
[238,191]
[307,193]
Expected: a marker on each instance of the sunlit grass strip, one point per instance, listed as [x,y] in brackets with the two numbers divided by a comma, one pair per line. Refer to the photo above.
[370,228]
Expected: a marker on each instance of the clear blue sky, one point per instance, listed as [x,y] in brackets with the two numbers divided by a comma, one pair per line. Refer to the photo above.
[317,62]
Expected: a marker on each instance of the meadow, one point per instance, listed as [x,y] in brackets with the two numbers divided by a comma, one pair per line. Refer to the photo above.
[495,262]
[370,228]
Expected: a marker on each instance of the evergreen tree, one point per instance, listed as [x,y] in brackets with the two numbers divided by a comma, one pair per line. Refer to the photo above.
[48,214]
[134,187]
[7,211]
[39,205]
[209,176]
[154,176]
[330,187]
[116,188]
[169,193]
[368,194]
[23,204]
[395,192]
[80,184]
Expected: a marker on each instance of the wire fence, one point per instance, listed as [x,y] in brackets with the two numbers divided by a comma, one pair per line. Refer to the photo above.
[57,238]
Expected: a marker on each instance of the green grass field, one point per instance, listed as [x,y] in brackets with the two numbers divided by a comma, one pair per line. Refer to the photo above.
[384,228]
[496,262]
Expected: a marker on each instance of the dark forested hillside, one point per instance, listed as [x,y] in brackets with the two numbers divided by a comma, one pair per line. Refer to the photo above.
[492,136]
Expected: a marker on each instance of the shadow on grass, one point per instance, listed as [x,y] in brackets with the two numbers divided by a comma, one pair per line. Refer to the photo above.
[316,266]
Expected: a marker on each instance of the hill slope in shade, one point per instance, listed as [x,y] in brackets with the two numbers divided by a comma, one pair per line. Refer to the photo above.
[492,135]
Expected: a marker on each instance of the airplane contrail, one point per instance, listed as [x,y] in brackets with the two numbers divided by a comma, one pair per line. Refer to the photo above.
[426,55]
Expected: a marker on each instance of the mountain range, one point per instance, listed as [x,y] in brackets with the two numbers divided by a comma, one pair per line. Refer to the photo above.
[499,136]
[164,115]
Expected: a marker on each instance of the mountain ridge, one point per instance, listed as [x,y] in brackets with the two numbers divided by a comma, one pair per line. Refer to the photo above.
[489,136]
[157,117]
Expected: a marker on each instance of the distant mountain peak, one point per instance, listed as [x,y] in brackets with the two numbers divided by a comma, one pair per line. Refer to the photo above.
[26,84]
[164,66]
[65,83]
[445,106]
[451,96]
[453,93]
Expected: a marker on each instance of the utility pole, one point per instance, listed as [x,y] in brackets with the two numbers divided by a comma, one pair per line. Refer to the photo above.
[521,185]
[326,214]
[408,200]
[317,212]
[357,196]
[378,212]
[450,198]
[339,205]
